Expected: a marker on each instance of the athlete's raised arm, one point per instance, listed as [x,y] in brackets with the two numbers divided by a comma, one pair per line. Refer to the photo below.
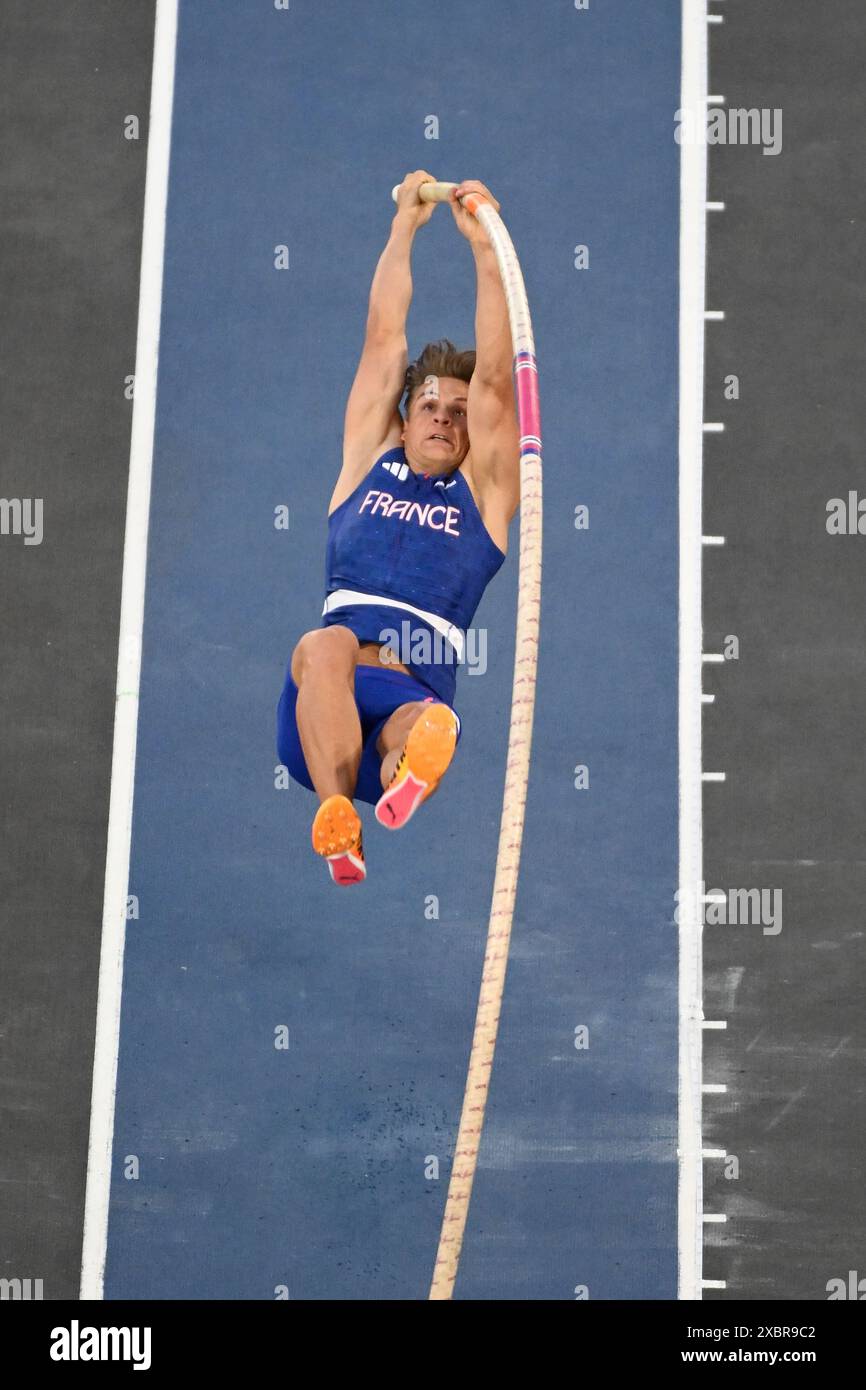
[493,463]
[373,422]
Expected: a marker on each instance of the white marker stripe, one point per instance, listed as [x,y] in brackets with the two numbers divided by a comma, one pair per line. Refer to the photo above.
[715,1153]
[714,1088]
[713,776]
[712,657]
[708,699]
[714,1023]
[714,1284]
[714,427]
[714,315]
[692,267]
[129,658]
[714,1216]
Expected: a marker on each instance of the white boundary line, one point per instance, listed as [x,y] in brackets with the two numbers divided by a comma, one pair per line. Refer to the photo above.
[693,197]
[129,657]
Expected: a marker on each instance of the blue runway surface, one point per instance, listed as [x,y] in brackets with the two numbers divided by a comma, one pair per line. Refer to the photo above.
[308,1167]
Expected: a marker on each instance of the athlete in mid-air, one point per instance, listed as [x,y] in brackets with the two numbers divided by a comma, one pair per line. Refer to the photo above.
[417,527]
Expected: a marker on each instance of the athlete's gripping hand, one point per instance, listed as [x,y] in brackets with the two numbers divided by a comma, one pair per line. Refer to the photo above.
[409,204]
[466,221]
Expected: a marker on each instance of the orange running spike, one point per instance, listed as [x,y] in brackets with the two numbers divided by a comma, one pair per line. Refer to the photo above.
[423,762]
[337,836]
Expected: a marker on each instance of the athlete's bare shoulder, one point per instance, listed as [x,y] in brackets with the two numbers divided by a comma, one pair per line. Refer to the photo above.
[358,462]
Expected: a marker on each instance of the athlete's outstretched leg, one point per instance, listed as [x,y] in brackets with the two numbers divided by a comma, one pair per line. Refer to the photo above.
[329,728]
[417,745]
[323,668]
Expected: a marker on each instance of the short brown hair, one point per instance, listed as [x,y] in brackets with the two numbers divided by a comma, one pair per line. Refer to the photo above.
[438,359]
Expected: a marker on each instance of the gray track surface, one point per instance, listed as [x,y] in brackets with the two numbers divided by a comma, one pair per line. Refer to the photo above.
[785,263]
[72,194]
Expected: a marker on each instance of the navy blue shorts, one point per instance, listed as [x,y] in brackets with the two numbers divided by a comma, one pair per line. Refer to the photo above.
[378,692]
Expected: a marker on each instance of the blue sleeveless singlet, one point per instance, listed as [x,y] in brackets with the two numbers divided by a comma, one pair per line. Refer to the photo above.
[409,557]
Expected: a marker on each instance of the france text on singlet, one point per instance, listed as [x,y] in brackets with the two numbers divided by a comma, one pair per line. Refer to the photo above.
[407,548]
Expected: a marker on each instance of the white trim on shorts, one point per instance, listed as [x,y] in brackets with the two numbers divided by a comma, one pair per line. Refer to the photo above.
[345,598]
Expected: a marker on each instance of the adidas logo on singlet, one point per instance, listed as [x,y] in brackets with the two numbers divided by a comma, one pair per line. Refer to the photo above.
[400,470]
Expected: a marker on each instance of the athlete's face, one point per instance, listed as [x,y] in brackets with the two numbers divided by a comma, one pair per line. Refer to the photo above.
[435,435]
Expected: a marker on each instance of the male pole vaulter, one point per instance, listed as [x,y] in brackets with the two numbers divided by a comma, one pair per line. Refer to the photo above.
[417,527]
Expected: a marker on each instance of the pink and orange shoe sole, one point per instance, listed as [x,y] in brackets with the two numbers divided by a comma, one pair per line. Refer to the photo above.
[424,761]
[337,836]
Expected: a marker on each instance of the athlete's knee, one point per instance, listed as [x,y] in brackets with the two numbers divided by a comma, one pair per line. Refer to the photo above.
[332,650]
